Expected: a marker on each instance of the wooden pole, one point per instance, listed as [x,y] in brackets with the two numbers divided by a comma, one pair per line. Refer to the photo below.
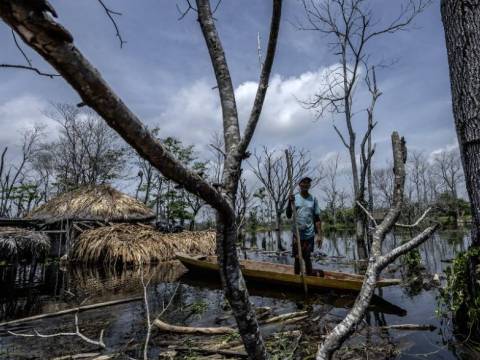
[294,213]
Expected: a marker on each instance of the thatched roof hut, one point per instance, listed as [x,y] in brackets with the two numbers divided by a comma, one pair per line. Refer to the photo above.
[17,243]
[138,244]
[99,202]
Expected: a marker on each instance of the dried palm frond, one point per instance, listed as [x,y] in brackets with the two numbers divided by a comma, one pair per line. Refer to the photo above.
[17,243]
[99,202]
[138,244]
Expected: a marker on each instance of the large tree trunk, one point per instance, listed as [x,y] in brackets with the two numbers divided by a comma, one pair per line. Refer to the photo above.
[461,21]
[236,290]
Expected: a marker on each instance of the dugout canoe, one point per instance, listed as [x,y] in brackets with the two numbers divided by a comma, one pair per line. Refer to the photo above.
[281,274]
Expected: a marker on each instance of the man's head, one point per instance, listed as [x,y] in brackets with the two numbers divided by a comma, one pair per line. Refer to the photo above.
[305,183]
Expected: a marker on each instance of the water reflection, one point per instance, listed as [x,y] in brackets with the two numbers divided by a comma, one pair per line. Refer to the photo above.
[29,290]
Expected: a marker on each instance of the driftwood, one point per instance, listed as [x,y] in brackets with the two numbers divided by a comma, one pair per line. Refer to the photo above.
[428,327]
[227,353]
[284,317]
[78,356]
[69,311]
[193,330]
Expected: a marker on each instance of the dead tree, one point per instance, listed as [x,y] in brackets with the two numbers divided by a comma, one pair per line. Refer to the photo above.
[378,260]
[55,44]
[448,168]
[461,21]
[12,175]
[351,27]
[333,195]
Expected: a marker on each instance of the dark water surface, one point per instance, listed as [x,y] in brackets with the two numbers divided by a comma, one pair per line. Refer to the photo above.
[28,291]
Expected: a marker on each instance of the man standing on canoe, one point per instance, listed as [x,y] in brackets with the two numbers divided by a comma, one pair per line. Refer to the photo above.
[308,223]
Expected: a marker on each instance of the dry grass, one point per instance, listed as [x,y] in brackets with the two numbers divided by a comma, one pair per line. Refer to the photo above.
[100,202]
[138,244]
[17,243]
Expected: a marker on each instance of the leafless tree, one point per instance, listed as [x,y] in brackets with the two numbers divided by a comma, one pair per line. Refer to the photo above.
[418,169]
[87,151]
[270,168]
[383,184]
[55,44]
[448,168]
[378,260]
[333,195]
[351,27]
[461,21]
[243,205]
[13,174]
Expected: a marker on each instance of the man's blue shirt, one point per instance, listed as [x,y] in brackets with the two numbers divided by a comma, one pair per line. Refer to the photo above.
[307,208]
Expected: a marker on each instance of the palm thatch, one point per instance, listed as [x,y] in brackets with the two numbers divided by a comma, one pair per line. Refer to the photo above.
[138,244]
[17,243]
[99,202]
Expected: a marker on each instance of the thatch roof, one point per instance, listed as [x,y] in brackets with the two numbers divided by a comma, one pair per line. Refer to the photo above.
[100,202]
[138,244]
[17,243]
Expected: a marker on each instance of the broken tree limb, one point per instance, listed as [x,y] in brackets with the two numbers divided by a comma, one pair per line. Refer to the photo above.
[228,353]
[193,330]
[420,327]
[283,317]
[69,311]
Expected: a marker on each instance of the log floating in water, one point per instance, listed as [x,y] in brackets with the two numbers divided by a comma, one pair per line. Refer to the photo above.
[210,351]
[69,311]
[284,317]
[409,327]
[193,330]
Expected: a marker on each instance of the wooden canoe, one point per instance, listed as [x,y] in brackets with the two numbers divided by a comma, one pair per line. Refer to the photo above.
[282,274]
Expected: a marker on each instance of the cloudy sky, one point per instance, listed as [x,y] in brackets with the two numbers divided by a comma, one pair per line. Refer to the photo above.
[164,74]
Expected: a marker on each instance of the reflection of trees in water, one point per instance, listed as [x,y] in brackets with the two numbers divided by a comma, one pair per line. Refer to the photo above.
[27,290]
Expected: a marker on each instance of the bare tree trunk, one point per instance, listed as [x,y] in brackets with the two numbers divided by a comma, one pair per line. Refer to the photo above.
[377,261]
[461,21]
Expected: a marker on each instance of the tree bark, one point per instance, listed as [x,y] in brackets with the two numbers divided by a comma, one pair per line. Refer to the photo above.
[461,21]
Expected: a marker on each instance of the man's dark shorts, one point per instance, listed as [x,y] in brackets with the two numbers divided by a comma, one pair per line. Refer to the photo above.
[307,246]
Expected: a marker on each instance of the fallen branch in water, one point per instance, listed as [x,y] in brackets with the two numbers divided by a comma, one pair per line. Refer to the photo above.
[69,311]
[428,327]
[77,356]
[77,332]
[227,353]
[283,317]
[193,330]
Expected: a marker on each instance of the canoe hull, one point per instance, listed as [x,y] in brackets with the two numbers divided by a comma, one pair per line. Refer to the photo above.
[279,274]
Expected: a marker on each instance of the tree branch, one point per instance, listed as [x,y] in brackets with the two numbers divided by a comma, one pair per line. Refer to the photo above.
[111,13]
[420,219]
[264,77]
[30,68]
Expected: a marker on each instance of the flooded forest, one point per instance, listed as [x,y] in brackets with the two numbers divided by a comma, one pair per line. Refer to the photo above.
[312,197]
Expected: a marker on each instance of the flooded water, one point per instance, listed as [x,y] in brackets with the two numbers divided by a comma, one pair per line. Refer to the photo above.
[47,288]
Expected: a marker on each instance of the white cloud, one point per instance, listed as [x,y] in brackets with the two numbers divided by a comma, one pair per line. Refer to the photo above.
[20,114]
